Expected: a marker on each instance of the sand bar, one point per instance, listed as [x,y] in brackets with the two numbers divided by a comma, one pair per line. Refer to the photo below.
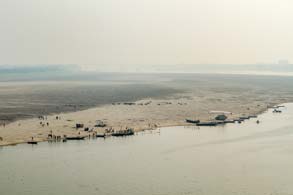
[140,115]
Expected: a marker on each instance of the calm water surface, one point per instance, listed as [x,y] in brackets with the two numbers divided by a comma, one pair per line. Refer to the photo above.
[235,159]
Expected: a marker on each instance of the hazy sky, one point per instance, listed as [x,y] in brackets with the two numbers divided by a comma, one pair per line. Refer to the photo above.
[138,33]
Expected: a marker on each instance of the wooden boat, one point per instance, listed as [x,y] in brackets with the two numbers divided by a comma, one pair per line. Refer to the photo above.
[32,142]
[123,133]
[76,138]
[207,124]
[220,122]
[192,121]
[244,117]
[229,121]
[101,135]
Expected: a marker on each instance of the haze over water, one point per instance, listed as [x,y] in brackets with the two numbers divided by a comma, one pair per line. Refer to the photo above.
[74,69]
[246,158]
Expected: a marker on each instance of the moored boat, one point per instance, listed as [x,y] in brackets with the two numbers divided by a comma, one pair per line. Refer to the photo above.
[207,124]
[192,121]
[32,142]
[76,138]
[101,135]
[126,132]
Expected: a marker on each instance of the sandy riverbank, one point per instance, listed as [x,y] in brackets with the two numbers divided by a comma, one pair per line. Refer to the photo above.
[173,99]
[145,114]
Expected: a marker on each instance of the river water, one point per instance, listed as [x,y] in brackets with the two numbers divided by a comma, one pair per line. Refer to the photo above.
[239,159]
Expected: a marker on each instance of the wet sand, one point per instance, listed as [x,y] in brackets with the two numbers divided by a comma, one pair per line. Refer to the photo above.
[31,99]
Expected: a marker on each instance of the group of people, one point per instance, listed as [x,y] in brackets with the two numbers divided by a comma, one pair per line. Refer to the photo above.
[45,118]
[42,117]
[43,124]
